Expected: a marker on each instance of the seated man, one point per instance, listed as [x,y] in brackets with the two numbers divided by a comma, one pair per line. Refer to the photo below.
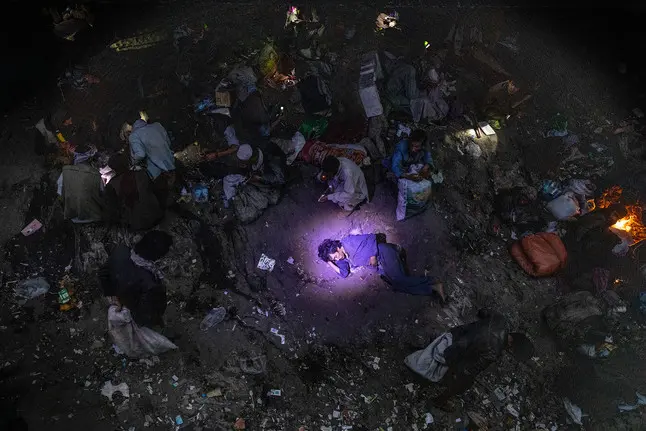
[346,182]
[130,196]
[355,251]
[411,164]
[257,186]
[131,279]
[411,159]
[81,188]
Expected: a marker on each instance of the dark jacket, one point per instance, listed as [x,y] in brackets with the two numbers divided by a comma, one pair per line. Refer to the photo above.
[131,201]
[137,288]
[478,344]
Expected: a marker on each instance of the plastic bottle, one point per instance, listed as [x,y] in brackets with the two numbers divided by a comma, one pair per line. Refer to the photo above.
[214,317]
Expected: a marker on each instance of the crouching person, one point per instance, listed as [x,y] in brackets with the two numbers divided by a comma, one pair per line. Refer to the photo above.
[130,196]
[455,358]
[134,285]
[81,188]
[346,183]
[356,251]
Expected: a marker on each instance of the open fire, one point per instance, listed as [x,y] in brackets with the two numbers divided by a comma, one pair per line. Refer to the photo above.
[631,228]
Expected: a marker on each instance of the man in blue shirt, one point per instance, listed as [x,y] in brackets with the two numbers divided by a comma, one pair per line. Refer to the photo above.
[412,159]
[354,251]
[150,145]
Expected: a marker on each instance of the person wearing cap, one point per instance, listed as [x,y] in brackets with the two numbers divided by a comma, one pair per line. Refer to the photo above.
[257,170]
[81,188]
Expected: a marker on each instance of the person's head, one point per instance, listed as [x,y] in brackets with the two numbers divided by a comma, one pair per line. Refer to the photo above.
[246,155]
[126,130]
[119,163]
[416,140]
[154,245]
[520,346]
[330,167]
[330,250]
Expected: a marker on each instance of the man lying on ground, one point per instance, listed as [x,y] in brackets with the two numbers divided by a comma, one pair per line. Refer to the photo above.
[455,358]
[347,184]
[355,251]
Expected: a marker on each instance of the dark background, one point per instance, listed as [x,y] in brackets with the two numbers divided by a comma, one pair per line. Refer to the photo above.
[33,57]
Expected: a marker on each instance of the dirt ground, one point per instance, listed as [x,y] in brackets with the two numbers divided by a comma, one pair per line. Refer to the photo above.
[341,365]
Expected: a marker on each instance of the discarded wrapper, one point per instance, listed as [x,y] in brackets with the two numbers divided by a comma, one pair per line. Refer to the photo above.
[276,333]
[109,389]
[31,227]
[265,263]
[274,393]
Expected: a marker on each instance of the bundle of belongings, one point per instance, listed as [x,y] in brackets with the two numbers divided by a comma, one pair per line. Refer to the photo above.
[314,151]
[540,255]
[256,186]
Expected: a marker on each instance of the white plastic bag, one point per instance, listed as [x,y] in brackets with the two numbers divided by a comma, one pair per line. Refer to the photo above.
[413,197]
[565,206]
[133,340]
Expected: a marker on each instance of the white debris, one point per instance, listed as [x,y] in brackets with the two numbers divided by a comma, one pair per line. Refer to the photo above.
[108,389]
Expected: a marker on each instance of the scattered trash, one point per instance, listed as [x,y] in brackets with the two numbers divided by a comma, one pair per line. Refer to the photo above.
[255,365]
[179,420]
[565,206]
[573,410]
[239,424]
[290,260]
[428,419]
[201,193]
[217,392]
[278,308]
[66,290]
[641,401]
[559,126]
[275,332]
[215,316]
[369,399]
[109,389]
[512,411]
[474,150]
[265,263]
[410,387]
[31,227]
[274,393]
[31,288]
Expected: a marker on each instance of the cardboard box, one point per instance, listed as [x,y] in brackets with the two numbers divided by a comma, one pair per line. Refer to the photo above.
[223,98]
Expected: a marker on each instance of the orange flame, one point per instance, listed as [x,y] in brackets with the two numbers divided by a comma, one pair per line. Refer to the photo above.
[609,197]
[632,224]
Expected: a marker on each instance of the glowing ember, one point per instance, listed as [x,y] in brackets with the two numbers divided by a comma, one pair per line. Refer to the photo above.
[631,224]
[609,197]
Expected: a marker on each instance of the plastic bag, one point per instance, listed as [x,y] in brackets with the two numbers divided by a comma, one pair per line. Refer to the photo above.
[565,206]
[540,255]
[412,198]
[133,340]
[429,362]
[29,289]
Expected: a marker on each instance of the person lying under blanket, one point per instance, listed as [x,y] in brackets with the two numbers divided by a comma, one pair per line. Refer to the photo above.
[354,251]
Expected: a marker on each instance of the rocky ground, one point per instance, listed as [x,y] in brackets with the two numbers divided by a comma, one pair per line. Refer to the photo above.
[341,363]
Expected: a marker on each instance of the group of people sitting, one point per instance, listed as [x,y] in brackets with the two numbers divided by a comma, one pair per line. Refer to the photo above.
[131,190]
